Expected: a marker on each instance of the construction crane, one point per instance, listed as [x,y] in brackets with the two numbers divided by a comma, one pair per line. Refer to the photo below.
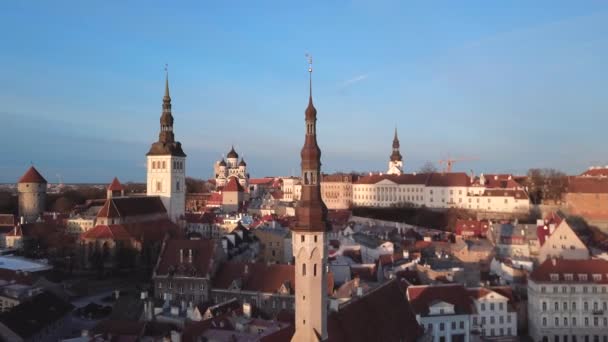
[448,163]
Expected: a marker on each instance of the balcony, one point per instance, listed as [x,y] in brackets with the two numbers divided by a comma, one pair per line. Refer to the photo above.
[597,312]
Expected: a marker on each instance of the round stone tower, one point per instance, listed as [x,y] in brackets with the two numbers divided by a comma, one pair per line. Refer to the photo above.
[32,195]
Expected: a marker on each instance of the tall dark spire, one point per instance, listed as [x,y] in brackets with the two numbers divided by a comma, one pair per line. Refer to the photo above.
[166,140]
[396,155]
[311,211]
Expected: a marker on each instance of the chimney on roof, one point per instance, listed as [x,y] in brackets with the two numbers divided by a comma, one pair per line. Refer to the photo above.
[181,255]
[246,270]
[359,291]
[554,261]
[190,255]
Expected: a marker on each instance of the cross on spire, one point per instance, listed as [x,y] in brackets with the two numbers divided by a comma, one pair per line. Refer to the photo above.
[309,58]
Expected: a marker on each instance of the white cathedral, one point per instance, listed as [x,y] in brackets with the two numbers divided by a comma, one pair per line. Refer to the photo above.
[231,167]
[166,165]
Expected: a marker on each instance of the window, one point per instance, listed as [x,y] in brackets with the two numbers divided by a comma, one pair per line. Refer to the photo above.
[500,306]
[303,269]
[544,321]
[453,325]
[492,306]
[462,324]
[544,306]
[159,186]
[586,321]
[565,321]
[565,305]
[314,270]
[177,186]
[573,321]
[556,306]
[573,306]
[441,326]
[483,306]
[302,238]
[491,319]
[556,322]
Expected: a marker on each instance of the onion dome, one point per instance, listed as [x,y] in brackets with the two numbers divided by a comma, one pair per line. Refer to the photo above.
[242,163]
[222,162]
[232,154]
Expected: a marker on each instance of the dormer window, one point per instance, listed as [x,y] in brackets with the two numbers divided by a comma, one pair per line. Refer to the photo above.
[597,277]
[554,276]
[582,277]
[568,277]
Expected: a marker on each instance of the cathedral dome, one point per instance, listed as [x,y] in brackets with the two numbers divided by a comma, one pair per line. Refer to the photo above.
[232,153]
[242,163]
[222,162]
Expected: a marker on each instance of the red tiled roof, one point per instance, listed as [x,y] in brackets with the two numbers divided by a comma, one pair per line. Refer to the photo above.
[259,277]
[575,267]
[471,227]
[428,179]
[423,296]
[114,232]
[383,314]
[589,185]
[132,206]
[517,194]
[203,252]
[258,181]
[596,172]
[233,185]
[32,176]
[115,185]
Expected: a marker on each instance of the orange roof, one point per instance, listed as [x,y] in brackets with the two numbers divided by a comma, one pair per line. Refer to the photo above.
[115,185]
[32,176]
[560,267]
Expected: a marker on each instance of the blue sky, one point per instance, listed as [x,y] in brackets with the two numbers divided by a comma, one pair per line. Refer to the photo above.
[514,84]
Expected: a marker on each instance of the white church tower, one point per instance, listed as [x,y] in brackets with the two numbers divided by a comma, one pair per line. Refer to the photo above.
[167,165]
[395,164]
[309,241]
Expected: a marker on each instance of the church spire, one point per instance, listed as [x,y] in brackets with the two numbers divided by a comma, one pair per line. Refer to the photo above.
[312,212]
[166,119]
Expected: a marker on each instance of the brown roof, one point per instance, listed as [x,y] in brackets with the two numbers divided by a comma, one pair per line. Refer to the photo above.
[517,194]
[383,314]
[112,232]
[448,179]
[423,296]
[115,185]
[32,176]
[160,148]
[575,267]
[132,206]
[233,185]
[590,185]
[259,277]
[18,277]
[7,220]
[203,252]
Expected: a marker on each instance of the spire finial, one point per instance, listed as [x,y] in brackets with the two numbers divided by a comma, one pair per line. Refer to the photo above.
[396,132]
[167,80]
[309,58]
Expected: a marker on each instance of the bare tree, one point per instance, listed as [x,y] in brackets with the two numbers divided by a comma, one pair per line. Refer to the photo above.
[427,167]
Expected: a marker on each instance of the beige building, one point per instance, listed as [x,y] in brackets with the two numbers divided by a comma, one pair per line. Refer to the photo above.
[563,243]
[337,190]
[233,196]
[32,195]
[78,225]
[274,241]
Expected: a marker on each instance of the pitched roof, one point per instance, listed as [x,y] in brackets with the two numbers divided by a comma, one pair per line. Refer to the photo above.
[589,185]
[259,276]
[203,252]
[423,296]
[32,176]
[257,181]
[143,231]
[132,206]
[233,185]
[115,185]
[383,314]
[114,232]
[596,172]
[560,267]
[34,315]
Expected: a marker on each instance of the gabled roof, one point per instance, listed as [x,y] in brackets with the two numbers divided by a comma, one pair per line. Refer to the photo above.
[383,314]
[115,185]
[31,317]
[114,232]
[588,185]
[32,176]
[203,252]
[233,186]
[596,172]
[259,276]
[132,206]
[422,296]
[560,267]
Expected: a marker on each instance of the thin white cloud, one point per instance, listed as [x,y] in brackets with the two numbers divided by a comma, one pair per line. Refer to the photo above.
[354,80]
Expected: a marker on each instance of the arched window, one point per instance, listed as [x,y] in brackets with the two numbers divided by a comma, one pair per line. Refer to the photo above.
[303,269]
[314,270]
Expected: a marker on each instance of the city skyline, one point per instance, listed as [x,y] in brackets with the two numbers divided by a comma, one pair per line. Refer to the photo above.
[512,80]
